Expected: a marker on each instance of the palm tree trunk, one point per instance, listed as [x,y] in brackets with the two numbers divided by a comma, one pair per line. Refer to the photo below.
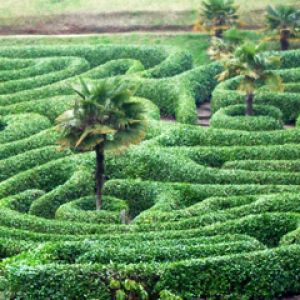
[99,176]
[284,39]
[249,104]
[219,28]
[219,33]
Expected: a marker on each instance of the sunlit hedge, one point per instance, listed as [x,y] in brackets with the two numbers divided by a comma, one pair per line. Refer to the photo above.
[201,213]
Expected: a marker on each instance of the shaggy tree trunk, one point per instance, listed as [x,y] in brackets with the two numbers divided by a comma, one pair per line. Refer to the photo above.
[219,33]
[284,39]
[249,104]
[219,28]
[99,175]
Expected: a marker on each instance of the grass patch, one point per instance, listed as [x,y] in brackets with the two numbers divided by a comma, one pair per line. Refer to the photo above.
[34,14]
[193,42]
[21,7]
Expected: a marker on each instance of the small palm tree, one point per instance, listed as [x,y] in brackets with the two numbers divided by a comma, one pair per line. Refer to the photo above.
[250,62]
[224,48]
[285,20]
[219,15]
[104,116]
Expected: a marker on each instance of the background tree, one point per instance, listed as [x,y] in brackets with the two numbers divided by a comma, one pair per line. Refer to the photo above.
[218,15]
[285,20]
[104,116]
[254,65]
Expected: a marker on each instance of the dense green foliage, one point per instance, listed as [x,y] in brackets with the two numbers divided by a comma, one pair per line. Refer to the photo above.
[233,117]
[211,212]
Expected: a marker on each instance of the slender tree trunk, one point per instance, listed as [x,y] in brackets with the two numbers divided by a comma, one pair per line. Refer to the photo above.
[219,33]
[219,28]
[249,104]
[99,175]
[284,39]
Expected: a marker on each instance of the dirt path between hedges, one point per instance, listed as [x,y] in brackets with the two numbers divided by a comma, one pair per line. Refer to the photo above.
[204,114]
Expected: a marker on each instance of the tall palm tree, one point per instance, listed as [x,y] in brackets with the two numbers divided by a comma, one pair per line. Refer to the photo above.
[250,62]
[104,116]
[219,15]
[285,20]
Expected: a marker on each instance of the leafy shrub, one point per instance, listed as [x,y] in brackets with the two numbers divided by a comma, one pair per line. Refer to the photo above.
[232,117]
[212,213]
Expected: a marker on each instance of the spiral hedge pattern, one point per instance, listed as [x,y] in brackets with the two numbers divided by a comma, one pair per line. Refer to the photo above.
[213,213]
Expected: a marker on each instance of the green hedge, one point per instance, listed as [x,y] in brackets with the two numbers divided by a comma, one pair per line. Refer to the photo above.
[185,135]
[8,64]
[264,165]
[199,165]
[23,68]
[29,160]
[233,117]
[40,139]
[176,62]
[50,107]
[191,194]
[177,96]
[225,94]
[75,66]
[80,184]
[11,247]
[71,252]
[211,213]
[230,207]
[95,55]
[164,254]
[17,127]
[84,210]
[292,87]
[231,276]
[174,96]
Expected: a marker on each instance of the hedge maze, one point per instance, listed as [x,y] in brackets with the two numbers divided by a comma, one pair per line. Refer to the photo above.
[212,213]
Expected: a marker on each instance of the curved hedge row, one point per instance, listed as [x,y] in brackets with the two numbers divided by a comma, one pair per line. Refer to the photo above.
[84,210]
[288,101]
[194,212]
[233,117]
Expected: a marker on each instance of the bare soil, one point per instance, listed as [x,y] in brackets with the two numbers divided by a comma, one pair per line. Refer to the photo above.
[99,23]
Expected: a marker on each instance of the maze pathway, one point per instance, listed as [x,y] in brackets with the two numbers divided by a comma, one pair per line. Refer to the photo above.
[204,114]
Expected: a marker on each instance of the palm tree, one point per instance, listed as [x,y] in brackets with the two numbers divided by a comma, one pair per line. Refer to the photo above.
[285,20]
[219,15]
[250,62]
[104,116]
[224,48]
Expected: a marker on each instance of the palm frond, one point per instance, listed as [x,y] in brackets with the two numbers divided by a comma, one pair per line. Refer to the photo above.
[282,17]
[103,113]
[219,14]
[254,65]
[272,82]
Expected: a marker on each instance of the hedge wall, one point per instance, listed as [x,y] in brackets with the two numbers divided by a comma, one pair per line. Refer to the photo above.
[233,117]
[191,212]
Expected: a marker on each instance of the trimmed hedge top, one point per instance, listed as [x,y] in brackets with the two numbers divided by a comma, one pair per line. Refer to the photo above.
[208,213]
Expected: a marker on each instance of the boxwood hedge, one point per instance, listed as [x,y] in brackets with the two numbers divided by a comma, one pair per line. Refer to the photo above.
[233,117]
[193,212]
